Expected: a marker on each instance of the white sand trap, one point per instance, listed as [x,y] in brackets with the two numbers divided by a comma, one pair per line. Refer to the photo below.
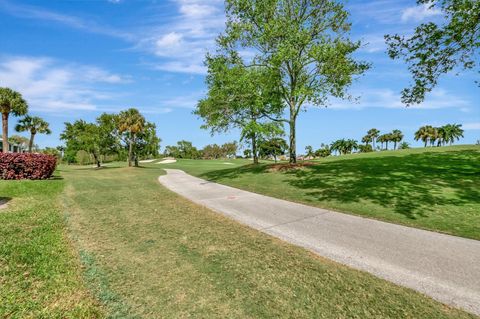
[226,163]
[147,161]
[167,161]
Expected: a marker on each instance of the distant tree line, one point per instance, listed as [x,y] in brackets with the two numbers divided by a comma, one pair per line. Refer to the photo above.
[126,135]
[433,136]
[185,149]
[439,135]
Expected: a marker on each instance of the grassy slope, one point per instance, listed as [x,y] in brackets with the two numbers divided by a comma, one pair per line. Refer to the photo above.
[436,189]
[156,254]
[39,274]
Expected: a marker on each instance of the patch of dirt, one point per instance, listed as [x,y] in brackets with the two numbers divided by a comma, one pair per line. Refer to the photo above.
[280,167]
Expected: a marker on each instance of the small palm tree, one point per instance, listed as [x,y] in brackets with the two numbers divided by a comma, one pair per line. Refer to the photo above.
[452,132]
[34,125]
[351,145]
[433,135]
[367,139]
[338,146]
[10,102]
[373,134]
[309,151]
[396,137]
[384,138]
[132,123]
[424,134]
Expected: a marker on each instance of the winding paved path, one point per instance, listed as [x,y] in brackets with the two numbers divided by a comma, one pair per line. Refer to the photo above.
[447,268]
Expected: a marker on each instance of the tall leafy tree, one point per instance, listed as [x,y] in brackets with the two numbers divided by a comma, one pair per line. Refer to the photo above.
[11,102]
[131,122]
[147,143]
[305,43]
[438,48]
[240,97]
[82,136]
[35,125]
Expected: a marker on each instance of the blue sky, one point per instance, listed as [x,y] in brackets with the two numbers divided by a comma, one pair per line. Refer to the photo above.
[77,59]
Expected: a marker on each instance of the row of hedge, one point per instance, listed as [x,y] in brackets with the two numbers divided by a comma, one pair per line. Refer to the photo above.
[26,166]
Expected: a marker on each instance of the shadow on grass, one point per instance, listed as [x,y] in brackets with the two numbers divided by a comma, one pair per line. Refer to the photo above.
[4,201]
[409,185]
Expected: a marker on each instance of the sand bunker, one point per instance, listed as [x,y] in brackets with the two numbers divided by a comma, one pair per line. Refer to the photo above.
[167,161]
[147,161]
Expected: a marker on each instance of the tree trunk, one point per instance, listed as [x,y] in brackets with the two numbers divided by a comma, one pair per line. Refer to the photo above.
[425,143]
[135,159]
[293,146]
[254,148]
[395,145]
[373,143]
[30,143]
[96,160]
[5,132]
[130,151]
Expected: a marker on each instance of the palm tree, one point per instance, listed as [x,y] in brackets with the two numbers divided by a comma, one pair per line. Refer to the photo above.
[350,145]
[424,134]
[373,133]
[433,135]
[441,135]
[452,132]
[338,146]
[10,102]
[132,123]
[384,138]
[396,137]
[34,125]
[309,151]
[366,139]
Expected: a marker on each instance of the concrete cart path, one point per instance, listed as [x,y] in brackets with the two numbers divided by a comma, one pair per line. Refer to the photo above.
[446,268]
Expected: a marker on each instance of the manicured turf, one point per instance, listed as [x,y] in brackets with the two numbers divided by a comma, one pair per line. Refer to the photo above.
[40,276]
[150,253]
[434,188]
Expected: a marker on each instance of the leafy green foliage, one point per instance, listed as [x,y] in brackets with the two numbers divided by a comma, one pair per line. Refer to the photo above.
[34,125]
[303,43]
[435,49]
[240,97]
[11,102]
[344,146]
[273,147]
[441,135]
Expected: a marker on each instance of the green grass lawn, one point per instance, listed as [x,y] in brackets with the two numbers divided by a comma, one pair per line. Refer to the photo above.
[150,253]
[115,243]
[40,276]
[434,188]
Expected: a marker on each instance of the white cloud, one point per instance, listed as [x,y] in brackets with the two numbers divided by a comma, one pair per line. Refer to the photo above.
[169,40]
[388,98]
[182,44]
[471,126]
[50,86]
[419,13]
[188,102]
